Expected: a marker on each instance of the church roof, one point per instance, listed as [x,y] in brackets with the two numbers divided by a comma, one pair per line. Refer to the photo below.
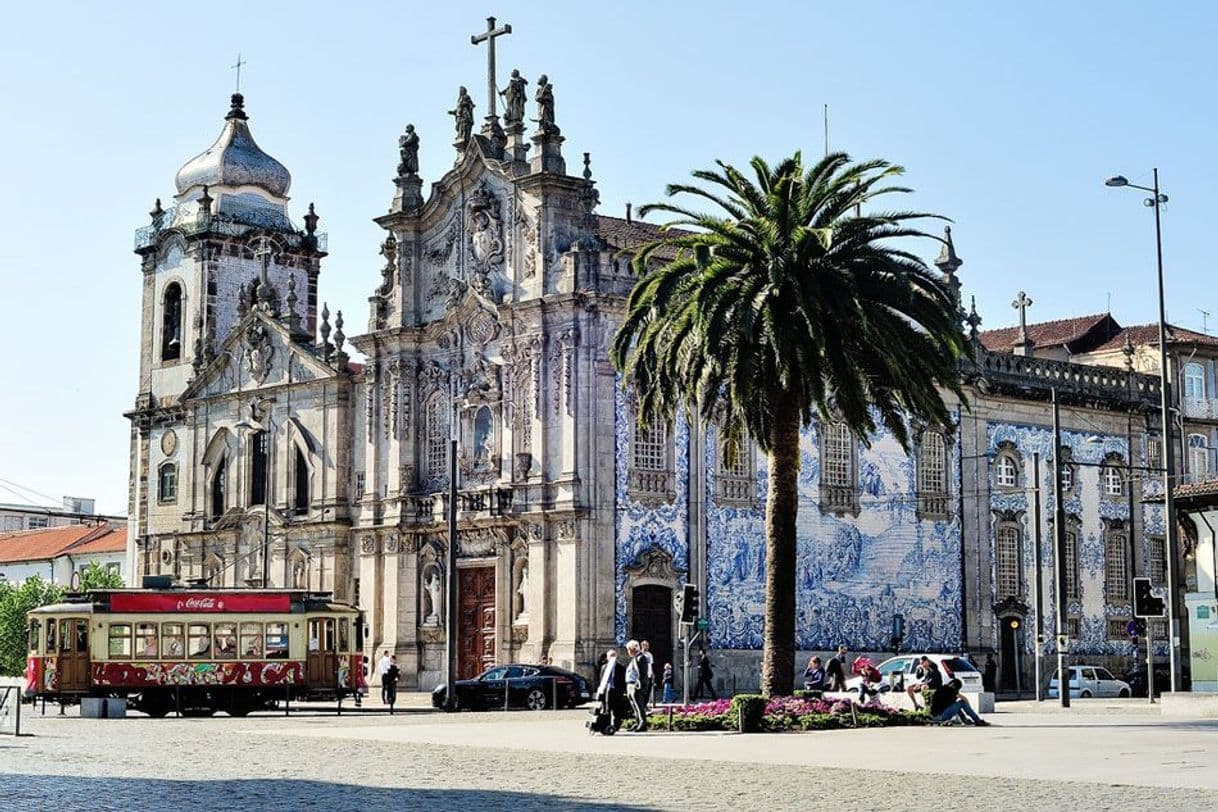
[235,160]
[1070,333]
[1143,334]
[52,542]
[627,235]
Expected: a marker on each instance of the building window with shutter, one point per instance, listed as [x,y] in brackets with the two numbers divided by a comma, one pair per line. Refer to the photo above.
[1156,567]
[735,481]
[1006,562]
[933,501]
[1006,470]
[167,483]
[1116,574]
[651,479]
[437,431]
[839,492]
[1072,572]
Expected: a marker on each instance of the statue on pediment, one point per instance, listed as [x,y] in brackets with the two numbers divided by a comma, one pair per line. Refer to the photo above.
[464,115]
[485,229]
[258,351]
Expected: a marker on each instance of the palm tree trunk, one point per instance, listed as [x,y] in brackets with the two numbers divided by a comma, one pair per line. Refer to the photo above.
[782,504]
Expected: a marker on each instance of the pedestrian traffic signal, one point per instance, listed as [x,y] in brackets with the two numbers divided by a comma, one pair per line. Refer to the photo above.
[689,603]
[1145,604]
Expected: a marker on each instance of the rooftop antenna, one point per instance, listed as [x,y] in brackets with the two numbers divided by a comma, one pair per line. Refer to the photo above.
[237,67]
[1205,319]
[826,129]
[1109,310]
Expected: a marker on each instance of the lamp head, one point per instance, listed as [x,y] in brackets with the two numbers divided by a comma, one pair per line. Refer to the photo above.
[1117,180]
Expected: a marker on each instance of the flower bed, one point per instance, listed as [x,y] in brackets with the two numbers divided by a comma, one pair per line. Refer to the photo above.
[787,713]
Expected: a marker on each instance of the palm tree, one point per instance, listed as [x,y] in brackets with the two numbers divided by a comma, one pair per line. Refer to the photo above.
[787,304]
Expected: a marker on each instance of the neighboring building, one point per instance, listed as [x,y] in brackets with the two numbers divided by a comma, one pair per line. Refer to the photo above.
[57,553]
[75,510]
[498,299]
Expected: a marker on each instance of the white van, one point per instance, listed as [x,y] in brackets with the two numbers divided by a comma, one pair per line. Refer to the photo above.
[1091,680]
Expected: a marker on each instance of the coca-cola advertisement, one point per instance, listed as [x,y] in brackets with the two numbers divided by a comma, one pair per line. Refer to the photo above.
[200,602]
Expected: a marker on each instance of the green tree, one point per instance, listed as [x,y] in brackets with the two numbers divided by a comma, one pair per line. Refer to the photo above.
[15,601]
[789,303]
[95,576]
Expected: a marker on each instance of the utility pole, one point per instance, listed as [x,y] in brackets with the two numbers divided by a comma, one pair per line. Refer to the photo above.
[1038,634]
[1059,538]
[450,617]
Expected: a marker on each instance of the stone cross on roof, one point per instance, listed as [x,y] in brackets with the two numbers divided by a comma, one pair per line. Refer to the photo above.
[488,36]
[1022,303]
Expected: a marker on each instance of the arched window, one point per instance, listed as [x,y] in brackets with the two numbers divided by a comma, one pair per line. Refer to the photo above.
[932,463]
[1198,455]
[218,485]
[300,497]
[260,457]
[1006,470]
[1006,562]
[436,421]
[167,482]
[1116,577]
[1194,381]
[1113,476]
[171,323]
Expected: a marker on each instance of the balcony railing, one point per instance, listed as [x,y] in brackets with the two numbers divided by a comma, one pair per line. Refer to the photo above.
[1082,381]
[428,508]
[1199,408]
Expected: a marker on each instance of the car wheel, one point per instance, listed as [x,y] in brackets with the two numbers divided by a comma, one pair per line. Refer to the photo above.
[535,700]
[1085,695]
[1124,694]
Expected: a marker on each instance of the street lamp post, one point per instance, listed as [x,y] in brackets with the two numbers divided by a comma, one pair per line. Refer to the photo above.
[250,425]
[1156,201]
[1059,546]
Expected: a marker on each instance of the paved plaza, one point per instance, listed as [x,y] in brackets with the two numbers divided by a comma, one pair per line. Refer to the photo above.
[1102,756]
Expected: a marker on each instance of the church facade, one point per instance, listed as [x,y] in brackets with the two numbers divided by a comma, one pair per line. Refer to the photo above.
[262,454]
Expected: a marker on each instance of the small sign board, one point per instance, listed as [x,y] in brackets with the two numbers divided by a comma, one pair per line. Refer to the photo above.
[702,624]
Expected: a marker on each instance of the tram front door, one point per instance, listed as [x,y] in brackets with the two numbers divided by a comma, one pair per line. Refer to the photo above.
[72,662]
[321,663]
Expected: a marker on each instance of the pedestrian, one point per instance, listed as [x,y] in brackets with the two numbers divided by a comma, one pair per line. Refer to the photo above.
[705,674]
[947,704]
[389,683]
[634,689]
[647,672]
[611,691]
[926,676]
[382,666]
[814,676]
[991,672]
[835,670]
[869,678]
[668,678]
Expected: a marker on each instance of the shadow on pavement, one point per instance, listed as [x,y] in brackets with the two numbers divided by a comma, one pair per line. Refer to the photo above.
[66,792]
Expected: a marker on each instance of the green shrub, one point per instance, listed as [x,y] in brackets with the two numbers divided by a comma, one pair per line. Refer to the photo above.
[749,709]
[802,694]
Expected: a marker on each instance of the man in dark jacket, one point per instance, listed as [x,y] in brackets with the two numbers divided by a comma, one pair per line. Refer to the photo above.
[705,674]
[835,671]
[612,689]
[947,703]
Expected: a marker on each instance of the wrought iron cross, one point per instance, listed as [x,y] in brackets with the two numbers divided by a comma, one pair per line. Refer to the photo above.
[263,254]
[237,67]
[1022,303]
[488,36]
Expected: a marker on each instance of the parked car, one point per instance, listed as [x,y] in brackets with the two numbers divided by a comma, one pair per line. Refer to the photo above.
[900,671]
[1087,681]
[535,687]
[1136,677]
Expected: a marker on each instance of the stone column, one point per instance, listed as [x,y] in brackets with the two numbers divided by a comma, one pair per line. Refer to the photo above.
[566,591]
[540,589]
[407,577]
[370,592]
[389,584]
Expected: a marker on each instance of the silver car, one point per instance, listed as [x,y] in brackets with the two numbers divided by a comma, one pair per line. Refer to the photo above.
[1091,680]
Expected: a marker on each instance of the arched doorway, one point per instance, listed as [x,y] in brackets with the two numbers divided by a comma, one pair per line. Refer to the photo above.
[1012,616]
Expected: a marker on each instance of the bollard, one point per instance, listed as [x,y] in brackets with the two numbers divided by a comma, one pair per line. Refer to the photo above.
[177,699]
[340,705]
[554,686]
[287,699]
[671,708]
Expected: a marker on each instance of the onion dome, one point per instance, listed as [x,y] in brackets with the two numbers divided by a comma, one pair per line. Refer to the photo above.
[235,160]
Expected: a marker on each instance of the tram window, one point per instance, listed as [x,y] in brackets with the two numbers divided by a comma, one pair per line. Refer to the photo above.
[251,640]
[321,634]
[35,635]
[120,640]
[344,637]
[198,640]
[226,641]
[146,640]
[276,641]
[50,637]
[65,635]
[172,642]
[82,636]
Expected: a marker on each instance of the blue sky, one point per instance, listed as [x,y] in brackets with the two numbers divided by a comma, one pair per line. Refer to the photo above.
[1007,116]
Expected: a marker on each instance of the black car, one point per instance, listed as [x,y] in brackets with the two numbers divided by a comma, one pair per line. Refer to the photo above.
[535,687]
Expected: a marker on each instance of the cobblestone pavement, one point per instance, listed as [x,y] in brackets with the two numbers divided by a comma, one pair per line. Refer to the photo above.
[524,761]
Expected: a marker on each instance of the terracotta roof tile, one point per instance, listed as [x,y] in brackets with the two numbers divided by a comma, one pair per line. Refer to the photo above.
[114,541]
[1194,490]
[625,235]
[1044,333]
[1143,334]
[48,543]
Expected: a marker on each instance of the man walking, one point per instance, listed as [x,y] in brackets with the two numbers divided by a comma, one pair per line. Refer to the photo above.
[389,683]
[705,675]
[382,668]
[647,673]
[634,691]
[835,670]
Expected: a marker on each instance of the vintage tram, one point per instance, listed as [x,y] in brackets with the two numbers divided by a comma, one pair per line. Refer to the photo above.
[196,650]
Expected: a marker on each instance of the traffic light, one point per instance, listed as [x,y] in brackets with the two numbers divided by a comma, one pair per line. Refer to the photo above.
[1145,604]
[689,603]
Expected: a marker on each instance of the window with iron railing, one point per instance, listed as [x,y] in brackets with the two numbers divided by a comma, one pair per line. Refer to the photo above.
[1006,562]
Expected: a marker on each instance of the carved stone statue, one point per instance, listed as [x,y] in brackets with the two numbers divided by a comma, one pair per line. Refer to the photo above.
[523,592]
[432,618]
[545,107]
[464,114]
[389,250]
[408,149]
[258,352]
[513,101]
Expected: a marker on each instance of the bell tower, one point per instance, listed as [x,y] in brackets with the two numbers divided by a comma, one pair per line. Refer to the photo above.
[226,243]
